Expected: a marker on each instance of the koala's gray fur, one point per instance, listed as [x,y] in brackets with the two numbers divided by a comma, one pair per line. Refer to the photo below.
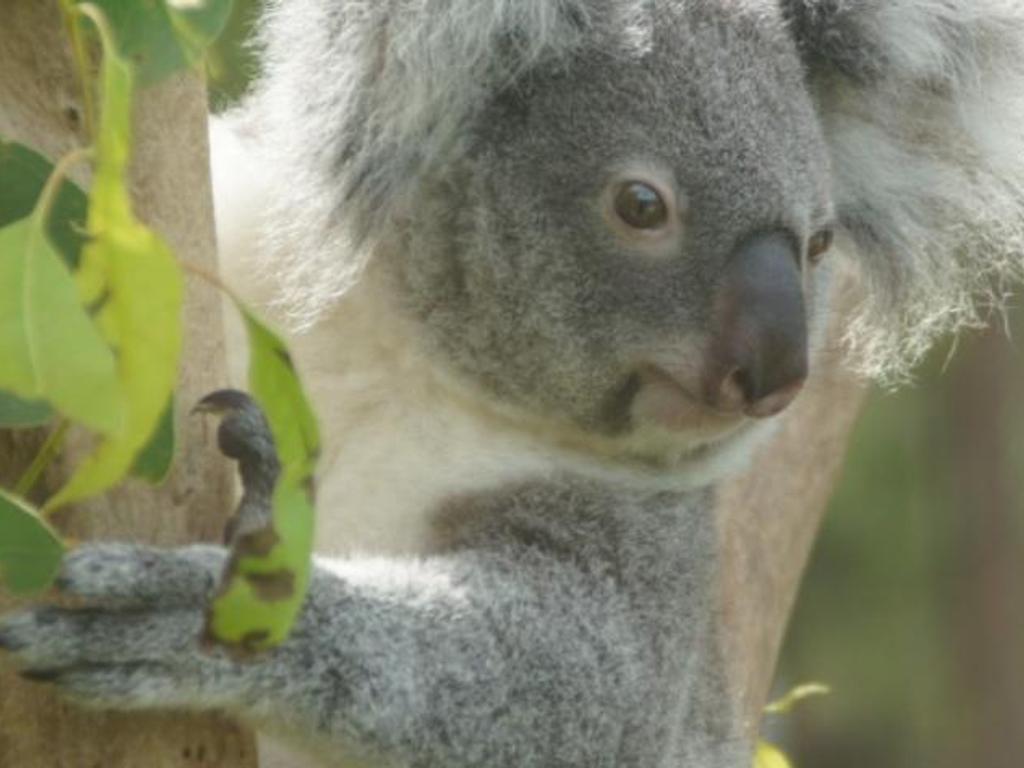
[528,574]
[532,642]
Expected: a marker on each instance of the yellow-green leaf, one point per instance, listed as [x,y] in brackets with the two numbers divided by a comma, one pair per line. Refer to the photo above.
[768,756]
[50,348]
[30,551]
[270,568]
[133,282]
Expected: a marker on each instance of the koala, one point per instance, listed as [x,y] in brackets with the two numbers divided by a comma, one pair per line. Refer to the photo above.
[552,268]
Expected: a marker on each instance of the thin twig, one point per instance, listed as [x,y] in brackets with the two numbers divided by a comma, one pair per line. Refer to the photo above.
[83,68]
[43,459]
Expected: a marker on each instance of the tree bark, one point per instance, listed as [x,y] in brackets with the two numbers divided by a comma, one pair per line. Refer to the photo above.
[768,519]
[40,106]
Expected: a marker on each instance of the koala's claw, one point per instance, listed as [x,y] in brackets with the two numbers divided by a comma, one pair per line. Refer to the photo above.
[244,435]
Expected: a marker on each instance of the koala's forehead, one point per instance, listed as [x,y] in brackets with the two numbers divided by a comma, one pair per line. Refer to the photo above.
[718,95]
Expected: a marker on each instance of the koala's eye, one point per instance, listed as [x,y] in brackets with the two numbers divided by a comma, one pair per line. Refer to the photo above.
[819,245]
[641,206]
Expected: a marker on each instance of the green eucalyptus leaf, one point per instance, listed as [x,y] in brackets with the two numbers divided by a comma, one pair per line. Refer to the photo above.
[161,37]
[23,174]
[156,458]
[198,23]
[30,551]
[16,413]
[268,574]
[275,385]
[50,348]
[132,280]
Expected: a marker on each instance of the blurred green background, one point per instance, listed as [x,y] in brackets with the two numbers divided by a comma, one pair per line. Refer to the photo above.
[912,608]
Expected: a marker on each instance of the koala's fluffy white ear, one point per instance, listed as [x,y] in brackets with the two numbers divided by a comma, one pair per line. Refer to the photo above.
[922,103]
[382,90]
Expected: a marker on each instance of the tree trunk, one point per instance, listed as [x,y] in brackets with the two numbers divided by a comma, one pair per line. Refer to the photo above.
[40,106]
[768,519]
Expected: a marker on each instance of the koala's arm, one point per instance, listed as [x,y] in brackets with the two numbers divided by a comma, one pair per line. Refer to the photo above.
[483,658]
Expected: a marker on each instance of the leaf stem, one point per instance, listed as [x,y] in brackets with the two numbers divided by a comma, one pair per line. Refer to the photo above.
[82,65]
[43,459]
[95,14]
[798,694]
[52,187]
[207,275]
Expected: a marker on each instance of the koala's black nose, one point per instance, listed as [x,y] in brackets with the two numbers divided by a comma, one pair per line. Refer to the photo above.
[757,360]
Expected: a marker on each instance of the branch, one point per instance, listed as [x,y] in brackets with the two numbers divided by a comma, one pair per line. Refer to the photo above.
[769,518]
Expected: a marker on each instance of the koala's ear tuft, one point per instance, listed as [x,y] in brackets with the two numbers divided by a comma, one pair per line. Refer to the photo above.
[830,34]
[922,103]
[383,92]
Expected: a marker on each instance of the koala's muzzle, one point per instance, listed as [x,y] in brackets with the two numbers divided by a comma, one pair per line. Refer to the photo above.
[756,361]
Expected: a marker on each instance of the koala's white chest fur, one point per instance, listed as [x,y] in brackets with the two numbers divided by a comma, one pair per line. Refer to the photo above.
[396,441]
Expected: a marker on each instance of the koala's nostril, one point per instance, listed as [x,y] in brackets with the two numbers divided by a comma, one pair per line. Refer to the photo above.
[775,402]
[757,361]
[768,395]
[732,393]
[774,377]
[748,391]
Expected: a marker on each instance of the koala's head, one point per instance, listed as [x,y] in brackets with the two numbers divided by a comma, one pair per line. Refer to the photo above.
[626,239]
[608,213]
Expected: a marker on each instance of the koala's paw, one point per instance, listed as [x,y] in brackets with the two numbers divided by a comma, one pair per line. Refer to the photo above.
[135,640]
